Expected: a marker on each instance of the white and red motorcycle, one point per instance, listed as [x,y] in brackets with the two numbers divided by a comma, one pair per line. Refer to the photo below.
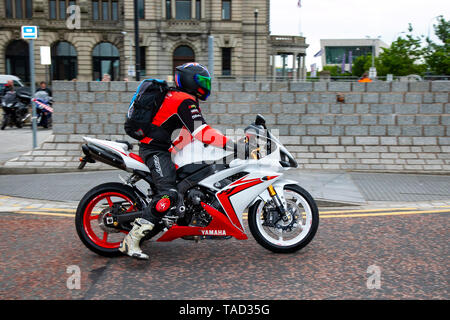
[214,195]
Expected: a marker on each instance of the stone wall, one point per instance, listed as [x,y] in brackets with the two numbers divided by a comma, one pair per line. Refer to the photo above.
[381,126]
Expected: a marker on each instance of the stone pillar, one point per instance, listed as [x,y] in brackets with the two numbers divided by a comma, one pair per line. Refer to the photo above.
[303,67]
[294,66]
[202,9]
[173,7]
[274,67]
[163,9]
[193,15]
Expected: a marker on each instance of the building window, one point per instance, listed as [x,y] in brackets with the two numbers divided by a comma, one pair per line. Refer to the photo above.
[335,55]
[142,60]
[19,9]
[198,9]
[58,8]
[226,61]
[226,9]
[64,61]
[141,9]
[183,9]
[182,55]
[168,9]
[17,59]
[105,60]
[105,10]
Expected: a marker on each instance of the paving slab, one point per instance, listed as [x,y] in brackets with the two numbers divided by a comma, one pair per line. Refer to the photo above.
[15,142]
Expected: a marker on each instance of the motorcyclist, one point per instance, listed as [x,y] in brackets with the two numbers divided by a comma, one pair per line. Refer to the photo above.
[9,86]
[44,94]
[180,111]
[8,94]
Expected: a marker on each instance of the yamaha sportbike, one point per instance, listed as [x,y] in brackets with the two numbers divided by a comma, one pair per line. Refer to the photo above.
[213,196]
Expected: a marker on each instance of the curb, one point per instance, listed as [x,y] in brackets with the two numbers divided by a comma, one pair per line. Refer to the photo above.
[36,170]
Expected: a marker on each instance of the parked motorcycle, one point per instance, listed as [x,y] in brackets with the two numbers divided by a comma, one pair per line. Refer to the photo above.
[282,216]
[15,108]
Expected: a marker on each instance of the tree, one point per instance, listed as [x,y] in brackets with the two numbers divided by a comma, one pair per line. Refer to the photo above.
[437,56]
[403,57]
[361,65]
[335,71]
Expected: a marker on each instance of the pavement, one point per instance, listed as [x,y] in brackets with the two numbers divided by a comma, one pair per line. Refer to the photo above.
[15,142]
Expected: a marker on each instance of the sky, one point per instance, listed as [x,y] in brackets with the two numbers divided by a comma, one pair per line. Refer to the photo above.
[353,19]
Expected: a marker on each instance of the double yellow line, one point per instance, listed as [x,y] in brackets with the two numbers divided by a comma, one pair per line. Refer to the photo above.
[324,214]
[378,212]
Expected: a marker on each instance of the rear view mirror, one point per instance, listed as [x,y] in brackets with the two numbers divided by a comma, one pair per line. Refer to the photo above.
[260,121]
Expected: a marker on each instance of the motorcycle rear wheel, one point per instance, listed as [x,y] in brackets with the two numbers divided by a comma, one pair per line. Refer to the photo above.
[302,206]
[94,237]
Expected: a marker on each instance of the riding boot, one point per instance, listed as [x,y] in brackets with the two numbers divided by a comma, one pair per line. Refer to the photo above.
[130,245]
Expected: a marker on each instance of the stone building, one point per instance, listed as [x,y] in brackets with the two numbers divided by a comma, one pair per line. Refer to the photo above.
[171,32]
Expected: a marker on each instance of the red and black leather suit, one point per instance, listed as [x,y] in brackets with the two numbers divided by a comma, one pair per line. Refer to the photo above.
[179,120]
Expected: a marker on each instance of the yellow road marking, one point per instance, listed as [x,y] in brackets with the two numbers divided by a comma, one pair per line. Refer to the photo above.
[58,209]
[383,214]
[43,213]
[365,210]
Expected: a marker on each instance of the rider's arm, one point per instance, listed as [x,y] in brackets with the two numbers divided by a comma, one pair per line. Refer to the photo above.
[191,115]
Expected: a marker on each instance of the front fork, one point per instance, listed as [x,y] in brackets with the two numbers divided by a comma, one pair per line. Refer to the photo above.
[278,203]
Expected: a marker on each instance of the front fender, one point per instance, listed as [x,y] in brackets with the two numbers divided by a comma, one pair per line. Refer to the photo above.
[279,186]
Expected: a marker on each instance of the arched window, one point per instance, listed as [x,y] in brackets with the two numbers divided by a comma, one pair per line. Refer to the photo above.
[17,60]
[106,60]
[181,55]
[64,61]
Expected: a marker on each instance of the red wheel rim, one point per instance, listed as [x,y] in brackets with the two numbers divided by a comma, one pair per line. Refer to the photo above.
[88,218]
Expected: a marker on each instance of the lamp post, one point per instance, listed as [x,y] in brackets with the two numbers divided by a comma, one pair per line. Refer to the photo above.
[136,40]
[373,69]
[256,20]
[130,57]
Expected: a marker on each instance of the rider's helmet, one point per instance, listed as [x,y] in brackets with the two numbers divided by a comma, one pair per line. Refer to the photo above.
[194,79]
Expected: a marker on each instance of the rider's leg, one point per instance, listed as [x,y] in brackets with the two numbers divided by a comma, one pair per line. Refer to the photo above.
[164,178]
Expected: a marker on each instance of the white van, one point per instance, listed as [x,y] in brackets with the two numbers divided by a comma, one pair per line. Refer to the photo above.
[4,79]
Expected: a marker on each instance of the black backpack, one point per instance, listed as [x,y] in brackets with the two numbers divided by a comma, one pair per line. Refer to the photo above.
[144,105]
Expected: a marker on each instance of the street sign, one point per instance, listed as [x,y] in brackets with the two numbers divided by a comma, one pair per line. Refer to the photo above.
[131,71]
[30,32]
[46,58]
[372,72]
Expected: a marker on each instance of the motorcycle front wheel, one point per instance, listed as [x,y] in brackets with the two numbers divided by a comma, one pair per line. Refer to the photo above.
[291,234]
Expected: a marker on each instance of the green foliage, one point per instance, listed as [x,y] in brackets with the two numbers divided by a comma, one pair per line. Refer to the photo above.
[437,56]
[361,65]
[335,71]
[407,55]
[403,57]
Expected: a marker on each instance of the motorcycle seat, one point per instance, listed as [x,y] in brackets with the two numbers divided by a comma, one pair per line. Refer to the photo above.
[129,145]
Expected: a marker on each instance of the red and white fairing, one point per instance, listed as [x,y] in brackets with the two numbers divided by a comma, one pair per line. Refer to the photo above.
[234,198]
[132,161]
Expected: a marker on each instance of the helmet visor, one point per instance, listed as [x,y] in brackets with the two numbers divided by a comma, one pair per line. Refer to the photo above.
[202,81]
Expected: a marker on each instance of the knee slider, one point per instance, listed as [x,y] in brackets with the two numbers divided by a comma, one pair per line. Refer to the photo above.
[165,201]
